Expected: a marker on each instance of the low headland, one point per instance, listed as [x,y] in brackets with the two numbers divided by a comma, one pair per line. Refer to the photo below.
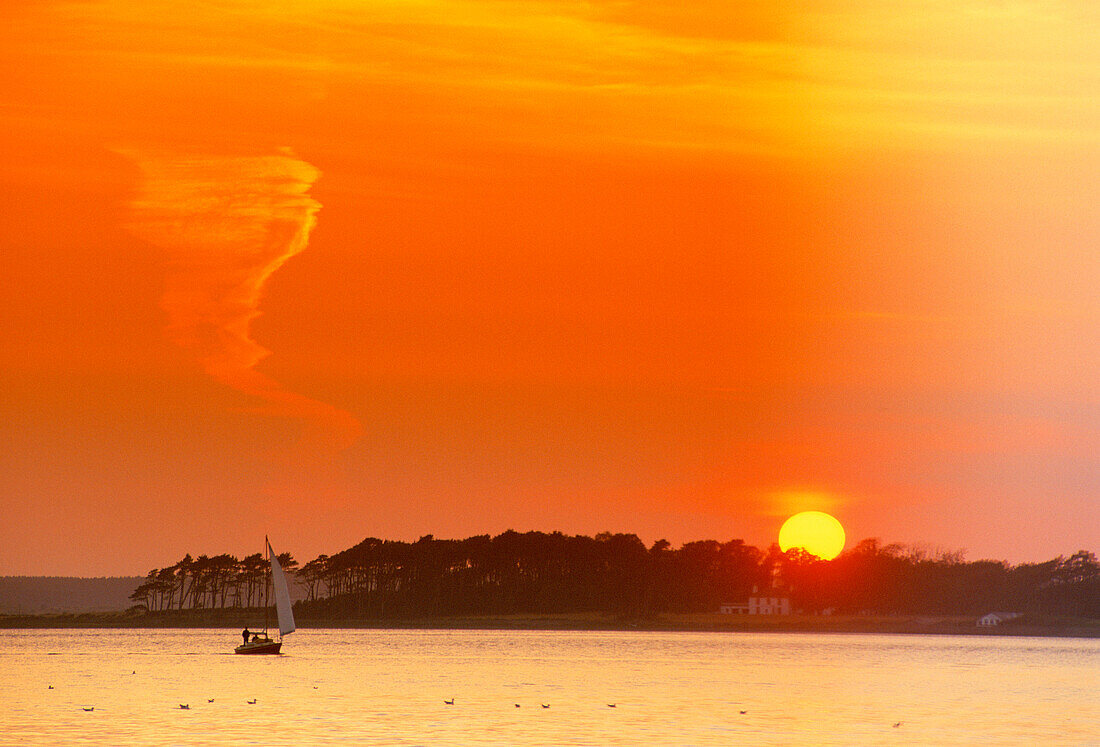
[233,619]
[540,581]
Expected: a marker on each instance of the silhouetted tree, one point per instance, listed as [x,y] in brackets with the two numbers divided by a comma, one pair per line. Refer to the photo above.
[536,572]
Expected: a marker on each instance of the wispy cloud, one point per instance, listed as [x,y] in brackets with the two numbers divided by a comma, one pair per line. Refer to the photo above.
[227,224]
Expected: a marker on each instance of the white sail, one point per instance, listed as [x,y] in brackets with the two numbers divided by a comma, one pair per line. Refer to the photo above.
[282,595]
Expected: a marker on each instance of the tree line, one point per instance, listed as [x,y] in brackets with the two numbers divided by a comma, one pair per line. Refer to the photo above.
[207,582]
[538,573]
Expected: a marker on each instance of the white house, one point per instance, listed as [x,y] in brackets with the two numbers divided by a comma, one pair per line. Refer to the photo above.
[758,606]
[993,619]
[769,606]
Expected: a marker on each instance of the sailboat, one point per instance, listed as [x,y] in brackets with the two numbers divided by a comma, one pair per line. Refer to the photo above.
[261,643]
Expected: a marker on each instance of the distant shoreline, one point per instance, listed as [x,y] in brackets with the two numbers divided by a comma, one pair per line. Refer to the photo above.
[904,625]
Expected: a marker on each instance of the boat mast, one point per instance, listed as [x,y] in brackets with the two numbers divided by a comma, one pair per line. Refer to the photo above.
[267,585]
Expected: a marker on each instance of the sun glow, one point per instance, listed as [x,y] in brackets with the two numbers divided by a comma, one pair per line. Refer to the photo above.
[813,531]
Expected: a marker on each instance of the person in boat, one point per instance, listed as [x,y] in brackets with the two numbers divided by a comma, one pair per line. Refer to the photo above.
[246,632]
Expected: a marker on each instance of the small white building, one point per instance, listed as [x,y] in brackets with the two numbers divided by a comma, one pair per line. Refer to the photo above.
[758,606]
[993,619]
[769,606]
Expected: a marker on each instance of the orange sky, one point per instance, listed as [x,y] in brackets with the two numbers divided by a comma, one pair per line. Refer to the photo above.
[344,268]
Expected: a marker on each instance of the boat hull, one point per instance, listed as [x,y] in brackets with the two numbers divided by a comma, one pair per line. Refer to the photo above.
[259,647]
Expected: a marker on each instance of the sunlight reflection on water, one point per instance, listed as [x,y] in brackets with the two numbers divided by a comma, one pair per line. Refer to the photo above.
[388,687]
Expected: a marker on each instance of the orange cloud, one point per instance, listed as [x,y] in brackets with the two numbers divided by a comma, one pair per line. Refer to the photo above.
[227,224]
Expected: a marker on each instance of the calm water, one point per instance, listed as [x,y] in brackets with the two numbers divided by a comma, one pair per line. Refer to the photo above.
[388,687]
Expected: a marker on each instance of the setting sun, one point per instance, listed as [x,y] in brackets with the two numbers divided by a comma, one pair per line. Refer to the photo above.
[813,531]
